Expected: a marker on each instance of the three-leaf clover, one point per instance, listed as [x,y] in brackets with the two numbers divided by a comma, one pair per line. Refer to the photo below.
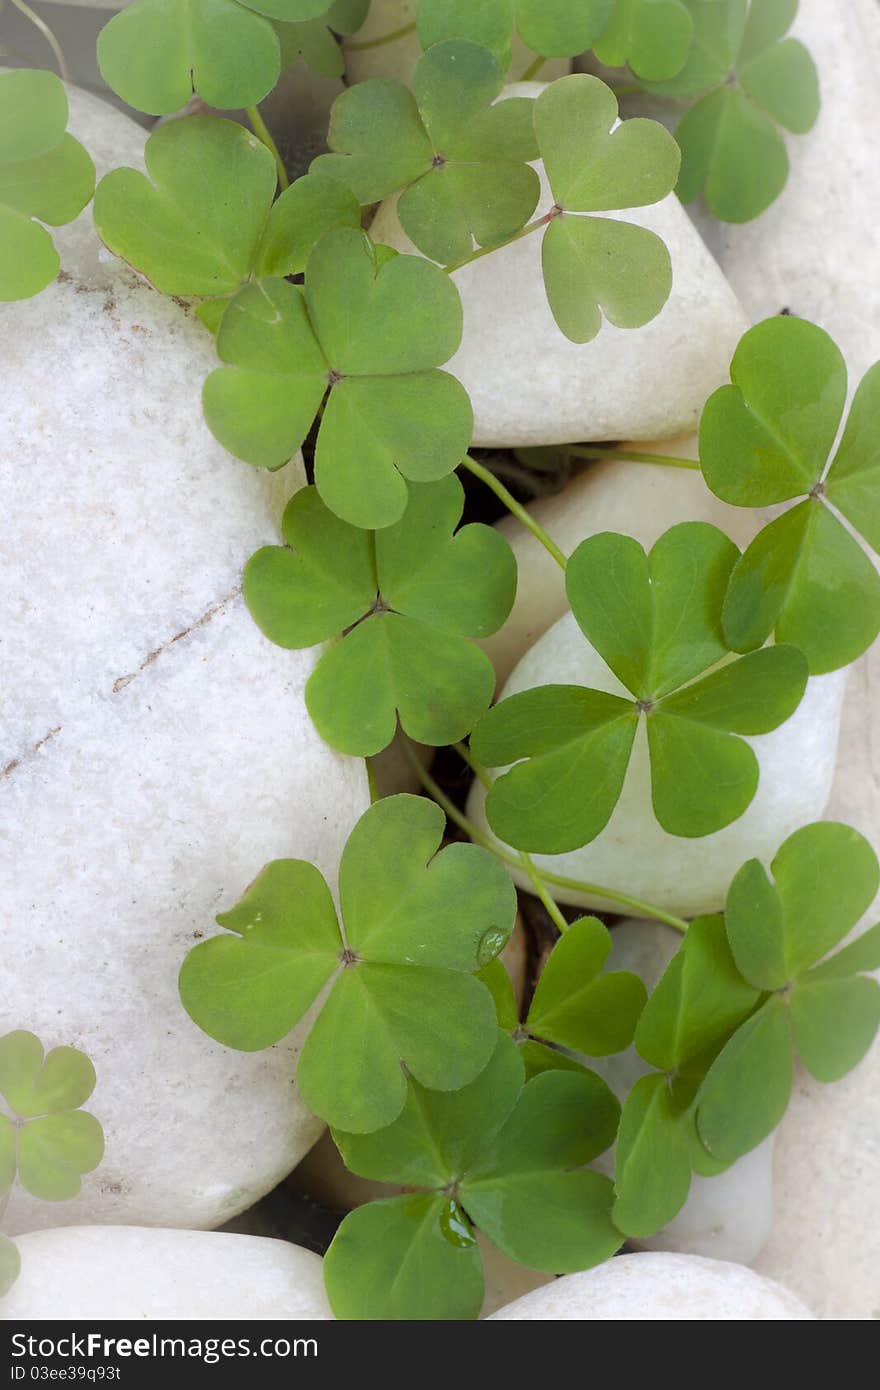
[407,598]
[768,438]
[825,877]
[600,265]
[460,161]
[652,36]
[46,1140]
[500,1155]
[367,333]
[204,221]
[577,1005]
[45,176]
[656,622]
[314,38]
[553,28]
[750,80]
[395,972]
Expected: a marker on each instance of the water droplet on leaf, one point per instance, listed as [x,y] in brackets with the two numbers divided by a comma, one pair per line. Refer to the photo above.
[455,1227]
[491,942]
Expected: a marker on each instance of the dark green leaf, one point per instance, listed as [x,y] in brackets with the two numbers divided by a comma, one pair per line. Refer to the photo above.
[652,1166]
[652,36]
[834,1022]
[851,483]
[863,954]
[733,153]
[487,22]
[747,1089]
[497,981]
[559,29]
[577,1006]
[827,876]
[756,927]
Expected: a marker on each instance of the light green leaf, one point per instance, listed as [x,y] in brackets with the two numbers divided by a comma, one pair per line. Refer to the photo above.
[700,999]
[438,1135]
[55,1151]
[827,876]
[594,266]
[8,1154]
[653,36]
[747,1089]
[733,153]
[783,81]
[34,1085]
[55,1142]
[834,1022]
[393,1260]
[652,1165]
[558,29]
[863,954]
[487,22]
[497,981]
[852,481]
[248,989]
[687,800]
[156,53]
[305,212]
[719,29]
[378,139]
[756,927]
[608,584]
[577,1006]
[33,114]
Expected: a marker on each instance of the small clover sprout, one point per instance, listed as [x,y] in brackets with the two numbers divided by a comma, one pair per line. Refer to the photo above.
[407,598]
[825,877]
[553,28]
[394,975]
[577,1005]
[460,161]
[656,621]
[601,265]
[363,339]
[501,1155]
[314,39]
[768,438]
[652,36]
[204,222]
[45,176]
[46,1140]
[750,79]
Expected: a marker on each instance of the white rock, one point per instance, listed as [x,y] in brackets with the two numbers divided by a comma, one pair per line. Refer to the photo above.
[633,853]
[637,499]
[726,1217]
[155,747]
[132,1273]
[529,385]
[815,251]
[398,59]
[659,1288]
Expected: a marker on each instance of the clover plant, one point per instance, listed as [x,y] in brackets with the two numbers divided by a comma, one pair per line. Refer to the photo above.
[47,1142]
[433,1076]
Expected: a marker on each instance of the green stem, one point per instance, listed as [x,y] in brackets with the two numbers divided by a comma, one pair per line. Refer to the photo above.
[593,890]
[550,906]
[47,35]
[261,130]
[392,37]
[599,451]
[533,69]
[516,508]
[535,226]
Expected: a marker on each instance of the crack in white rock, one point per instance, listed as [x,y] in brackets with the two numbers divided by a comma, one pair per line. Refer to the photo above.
[122,682]
[31,752]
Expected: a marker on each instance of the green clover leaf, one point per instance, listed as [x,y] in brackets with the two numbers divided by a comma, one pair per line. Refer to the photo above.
[656,621]
[652,36]
[768,438]
[459,159]
[750,79]
[407,598]
[395,982]
[825,876]
[652,1164]
[204,221]
[599,265]
[553,28]
[45,176]
[504,1156]
[372,331]
[577,1005]
[47,1140]
[10,1264]
[314,38]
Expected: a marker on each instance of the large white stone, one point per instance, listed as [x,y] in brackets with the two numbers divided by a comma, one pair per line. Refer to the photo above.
[132,1272]
[641,500]
[530,385]
[398,59]
[154,747]
[633,853]
[659,1288]
[726,1217]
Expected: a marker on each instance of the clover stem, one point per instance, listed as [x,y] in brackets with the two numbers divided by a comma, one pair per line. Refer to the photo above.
[392,37]
[535,226]
[261,130]
[594,890]
[533,69]
[599,451]
[550,905]
[517,509]
[48,35]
